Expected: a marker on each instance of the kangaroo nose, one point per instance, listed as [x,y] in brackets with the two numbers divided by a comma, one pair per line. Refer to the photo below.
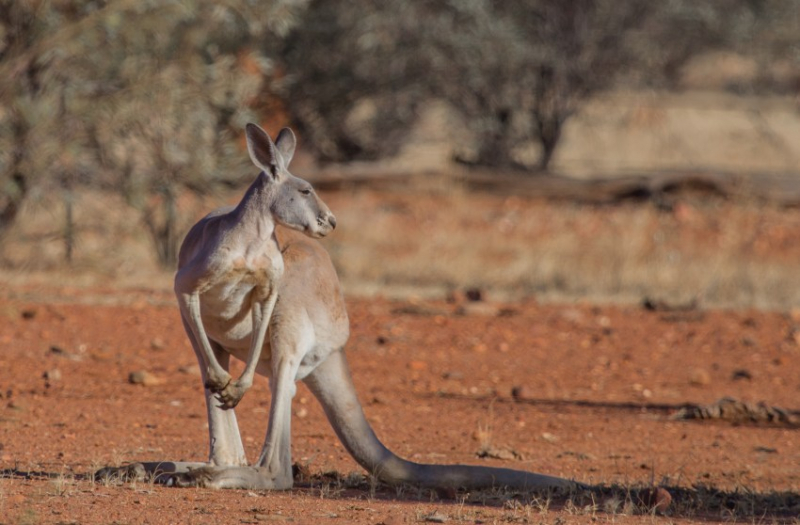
[332,221]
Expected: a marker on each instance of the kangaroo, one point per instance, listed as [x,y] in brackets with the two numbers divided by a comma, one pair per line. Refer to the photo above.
[253,283]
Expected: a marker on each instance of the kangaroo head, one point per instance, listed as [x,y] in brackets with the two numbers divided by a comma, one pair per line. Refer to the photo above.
[294,202]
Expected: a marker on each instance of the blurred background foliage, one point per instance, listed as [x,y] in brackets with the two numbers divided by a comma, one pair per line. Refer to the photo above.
[144,98]
[515,70]
[148,98]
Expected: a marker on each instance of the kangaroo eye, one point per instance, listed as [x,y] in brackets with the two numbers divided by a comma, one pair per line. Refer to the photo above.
[306,191]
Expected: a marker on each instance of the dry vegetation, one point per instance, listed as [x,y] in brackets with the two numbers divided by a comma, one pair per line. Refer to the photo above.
[701,249]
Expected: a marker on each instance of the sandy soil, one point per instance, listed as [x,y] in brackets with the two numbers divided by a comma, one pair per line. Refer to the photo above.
[594,391]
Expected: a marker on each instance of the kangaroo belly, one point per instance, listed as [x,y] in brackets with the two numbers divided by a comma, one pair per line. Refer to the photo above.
[264,364]
[226,311]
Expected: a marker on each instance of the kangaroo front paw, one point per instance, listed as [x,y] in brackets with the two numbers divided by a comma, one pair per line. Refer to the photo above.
[217,382]
[230,396]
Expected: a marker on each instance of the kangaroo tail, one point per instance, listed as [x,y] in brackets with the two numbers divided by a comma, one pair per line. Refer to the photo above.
[332,385]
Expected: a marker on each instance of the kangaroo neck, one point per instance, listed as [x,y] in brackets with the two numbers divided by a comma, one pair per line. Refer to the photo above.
[253,214]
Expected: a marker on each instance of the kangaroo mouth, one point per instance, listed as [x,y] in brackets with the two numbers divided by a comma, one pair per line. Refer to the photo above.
[317,232]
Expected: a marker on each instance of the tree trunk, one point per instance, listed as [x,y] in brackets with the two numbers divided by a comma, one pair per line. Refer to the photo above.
[165,234]
[549,135]
[549,113]
[69,223]
[170,238]
[9,212]
[495,146]
[18,188]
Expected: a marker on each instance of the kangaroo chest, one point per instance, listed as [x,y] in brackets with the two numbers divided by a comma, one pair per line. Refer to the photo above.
[226,304]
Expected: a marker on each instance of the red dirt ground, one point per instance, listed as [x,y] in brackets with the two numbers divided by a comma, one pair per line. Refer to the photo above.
[595,388]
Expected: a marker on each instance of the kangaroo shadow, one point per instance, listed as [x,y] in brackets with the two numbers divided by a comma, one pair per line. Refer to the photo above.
[726,410]
[701,502]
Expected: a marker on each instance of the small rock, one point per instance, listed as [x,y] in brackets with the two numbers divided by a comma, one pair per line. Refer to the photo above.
[16,404]
[28,314]
[157,343]
[741,374]
[52,375]
[192,370]
[419,309]
[550,438]
[506,454]
[699,377]
[436,517]
[474,294]
[478,309]
[659,305]
[766,450]
[521,393]
[143,377]
[580,456]
[482,435]
[58,351]
[794,314]
[656,498]
[272,517]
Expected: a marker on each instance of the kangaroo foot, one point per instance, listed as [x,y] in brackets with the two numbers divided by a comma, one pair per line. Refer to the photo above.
[157,471]
[126,474]
[200,477]
[252,478]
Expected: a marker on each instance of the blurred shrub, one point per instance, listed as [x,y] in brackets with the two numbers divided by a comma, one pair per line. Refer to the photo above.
[148,98]
[516,70]
[143,97]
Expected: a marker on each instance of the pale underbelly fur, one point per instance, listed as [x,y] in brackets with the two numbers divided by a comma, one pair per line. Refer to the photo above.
[232,328]
[231,324]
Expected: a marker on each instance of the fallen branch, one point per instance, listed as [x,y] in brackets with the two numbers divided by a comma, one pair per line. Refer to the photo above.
[735,411]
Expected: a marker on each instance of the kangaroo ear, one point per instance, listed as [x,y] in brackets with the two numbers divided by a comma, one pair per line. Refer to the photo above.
[262,150]
[286,143]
